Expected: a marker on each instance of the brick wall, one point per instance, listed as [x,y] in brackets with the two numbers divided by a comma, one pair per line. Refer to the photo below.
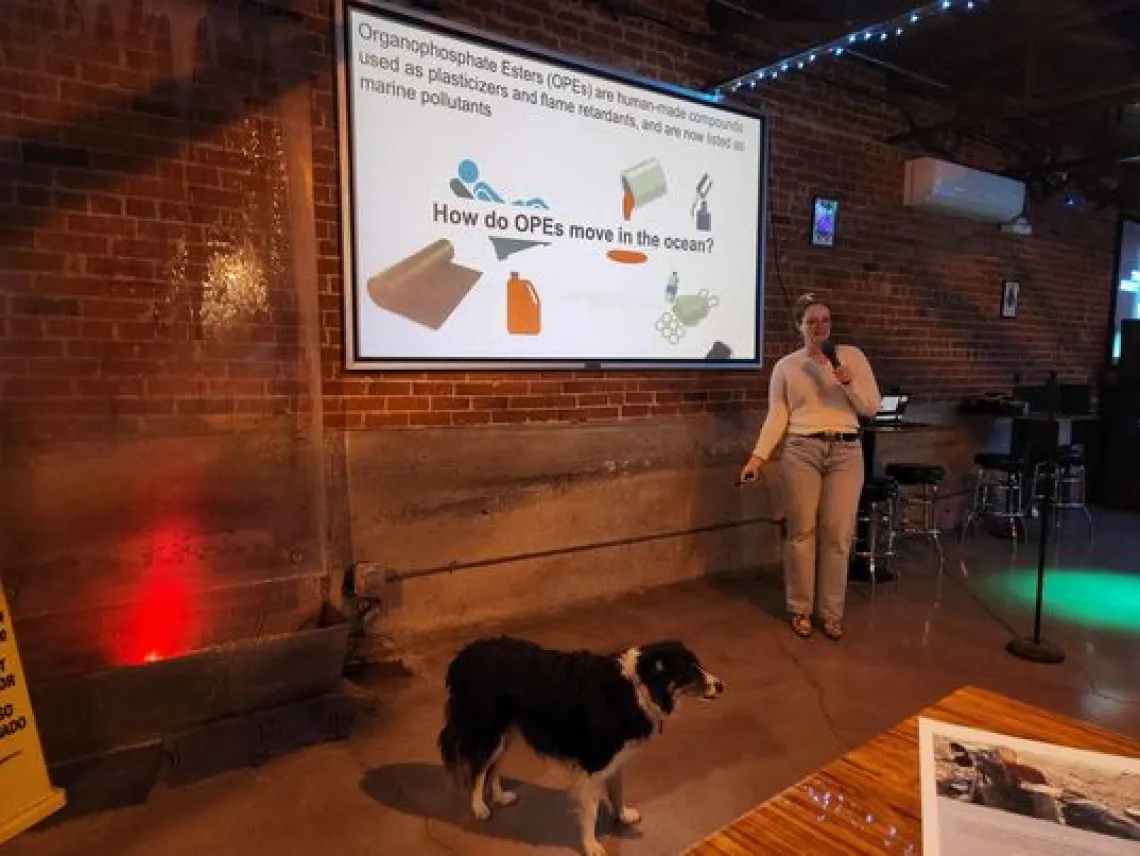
[170,360]
[127,198]
[919,293]
[155,376]
[144,250]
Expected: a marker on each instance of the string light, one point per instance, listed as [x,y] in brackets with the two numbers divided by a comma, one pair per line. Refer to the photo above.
[897,26]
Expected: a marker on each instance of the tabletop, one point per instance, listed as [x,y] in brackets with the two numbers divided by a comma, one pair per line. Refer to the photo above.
[870,800]
[905,426]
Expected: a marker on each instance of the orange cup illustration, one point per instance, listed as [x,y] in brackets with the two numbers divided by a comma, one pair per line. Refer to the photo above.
[524,308]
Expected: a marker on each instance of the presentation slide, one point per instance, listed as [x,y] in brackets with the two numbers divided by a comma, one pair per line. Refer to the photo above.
[507,209]
[1128,282]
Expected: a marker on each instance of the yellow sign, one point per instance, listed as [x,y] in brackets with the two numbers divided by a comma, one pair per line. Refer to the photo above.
[26,792]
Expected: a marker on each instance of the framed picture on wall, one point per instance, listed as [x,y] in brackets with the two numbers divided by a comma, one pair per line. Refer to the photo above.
[1010,291]
[824,212]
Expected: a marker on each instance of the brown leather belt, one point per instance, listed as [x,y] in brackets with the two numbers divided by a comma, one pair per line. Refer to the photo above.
[834,436]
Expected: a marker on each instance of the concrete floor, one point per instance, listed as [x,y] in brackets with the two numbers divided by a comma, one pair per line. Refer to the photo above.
[791,706]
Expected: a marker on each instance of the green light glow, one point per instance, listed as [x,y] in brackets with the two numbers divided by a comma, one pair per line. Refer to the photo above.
[1109,600]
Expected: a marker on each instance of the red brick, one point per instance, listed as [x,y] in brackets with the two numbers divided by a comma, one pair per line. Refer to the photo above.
[472,417]
[408,403]
[64,243]
[381,419]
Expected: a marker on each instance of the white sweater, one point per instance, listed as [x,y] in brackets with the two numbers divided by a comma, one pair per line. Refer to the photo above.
[805,398]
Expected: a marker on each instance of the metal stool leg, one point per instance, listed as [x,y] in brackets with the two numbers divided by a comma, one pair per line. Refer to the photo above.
[877,543]
[1069,495]
[931,521]
[975,506]
[872,545]
[1013,504]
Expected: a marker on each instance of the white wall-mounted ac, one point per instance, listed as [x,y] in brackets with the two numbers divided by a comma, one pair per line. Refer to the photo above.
[947,188]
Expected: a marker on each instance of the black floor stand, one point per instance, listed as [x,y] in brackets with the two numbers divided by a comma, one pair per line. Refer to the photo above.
[1034,648]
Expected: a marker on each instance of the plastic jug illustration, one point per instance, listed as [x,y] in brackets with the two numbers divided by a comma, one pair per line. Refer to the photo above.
[524,308]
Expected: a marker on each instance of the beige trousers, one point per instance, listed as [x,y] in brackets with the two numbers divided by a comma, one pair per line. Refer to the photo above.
[822,481]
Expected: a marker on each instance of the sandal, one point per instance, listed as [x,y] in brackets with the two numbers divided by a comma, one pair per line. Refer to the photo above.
[801,624]
[832,629]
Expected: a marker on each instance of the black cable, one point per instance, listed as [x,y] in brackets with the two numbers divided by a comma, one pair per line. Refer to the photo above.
[779,276]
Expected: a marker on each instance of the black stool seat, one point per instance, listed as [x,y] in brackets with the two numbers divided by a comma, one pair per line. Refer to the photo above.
[1068,456]
[998,461]
[912,474]
[879,489]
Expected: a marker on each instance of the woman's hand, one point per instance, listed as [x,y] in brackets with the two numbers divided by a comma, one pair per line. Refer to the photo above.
[752,469]
[843,374]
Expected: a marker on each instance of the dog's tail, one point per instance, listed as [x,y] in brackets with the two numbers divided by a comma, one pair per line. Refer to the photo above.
[468,742]
[475,723]
[452,754]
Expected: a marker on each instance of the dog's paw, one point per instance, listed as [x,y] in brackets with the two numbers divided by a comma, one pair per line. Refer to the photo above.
[480,810]
[629,815]
[505,798]
[593,848]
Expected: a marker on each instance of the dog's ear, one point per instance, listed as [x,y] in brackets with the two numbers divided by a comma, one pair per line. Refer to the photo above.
[654,673]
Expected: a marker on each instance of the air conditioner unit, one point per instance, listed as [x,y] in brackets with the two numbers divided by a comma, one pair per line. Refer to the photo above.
[958,191]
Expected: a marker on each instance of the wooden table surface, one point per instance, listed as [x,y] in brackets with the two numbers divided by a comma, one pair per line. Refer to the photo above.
[870,800]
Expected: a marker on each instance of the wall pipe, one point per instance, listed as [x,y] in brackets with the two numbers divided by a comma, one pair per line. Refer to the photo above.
[453,567]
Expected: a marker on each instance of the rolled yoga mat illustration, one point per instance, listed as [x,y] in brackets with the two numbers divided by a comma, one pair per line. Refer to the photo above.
[425,287]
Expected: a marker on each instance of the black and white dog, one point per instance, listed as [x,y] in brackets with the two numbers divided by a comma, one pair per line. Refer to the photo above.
[586,710]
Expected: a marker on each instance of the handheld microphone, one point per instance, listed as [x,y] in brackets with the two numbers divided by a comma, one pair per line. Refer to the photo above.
[828,348]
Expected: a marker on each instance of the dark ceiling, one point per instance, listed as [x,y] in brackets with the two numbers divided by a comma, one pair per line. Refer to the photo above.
[1055,84]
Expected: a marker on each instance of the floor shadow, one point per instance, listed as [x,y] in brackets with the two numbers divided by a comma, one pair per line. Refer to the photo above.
[542,817]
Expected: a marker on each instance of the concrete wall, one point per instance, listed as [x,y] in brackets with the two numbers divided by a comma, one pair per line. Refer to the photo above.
[536,518]
[123,552]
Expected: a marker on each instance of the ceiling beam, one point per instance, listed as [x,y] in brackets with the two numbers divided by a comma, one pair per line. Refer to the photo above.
[1111,95]
[895,69]
[1007,26]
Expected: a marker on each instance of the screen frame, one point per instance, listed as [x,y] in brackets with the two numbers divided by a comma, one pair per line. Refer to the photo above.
[1110,361]
[350,322]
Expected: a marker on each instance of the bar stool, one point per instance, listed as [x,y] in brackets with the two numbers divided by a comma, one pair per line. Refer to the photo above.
[997,493]
[874,530]
[1066,489]
[918,496]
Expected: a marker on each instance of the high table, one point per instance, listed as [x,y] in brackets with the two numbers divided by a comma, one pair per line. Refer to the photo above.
[879,784]
[869,438]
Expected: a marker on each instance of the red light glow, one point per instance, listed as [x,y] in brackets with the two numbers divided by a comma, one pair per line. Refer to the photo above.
[162,620]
